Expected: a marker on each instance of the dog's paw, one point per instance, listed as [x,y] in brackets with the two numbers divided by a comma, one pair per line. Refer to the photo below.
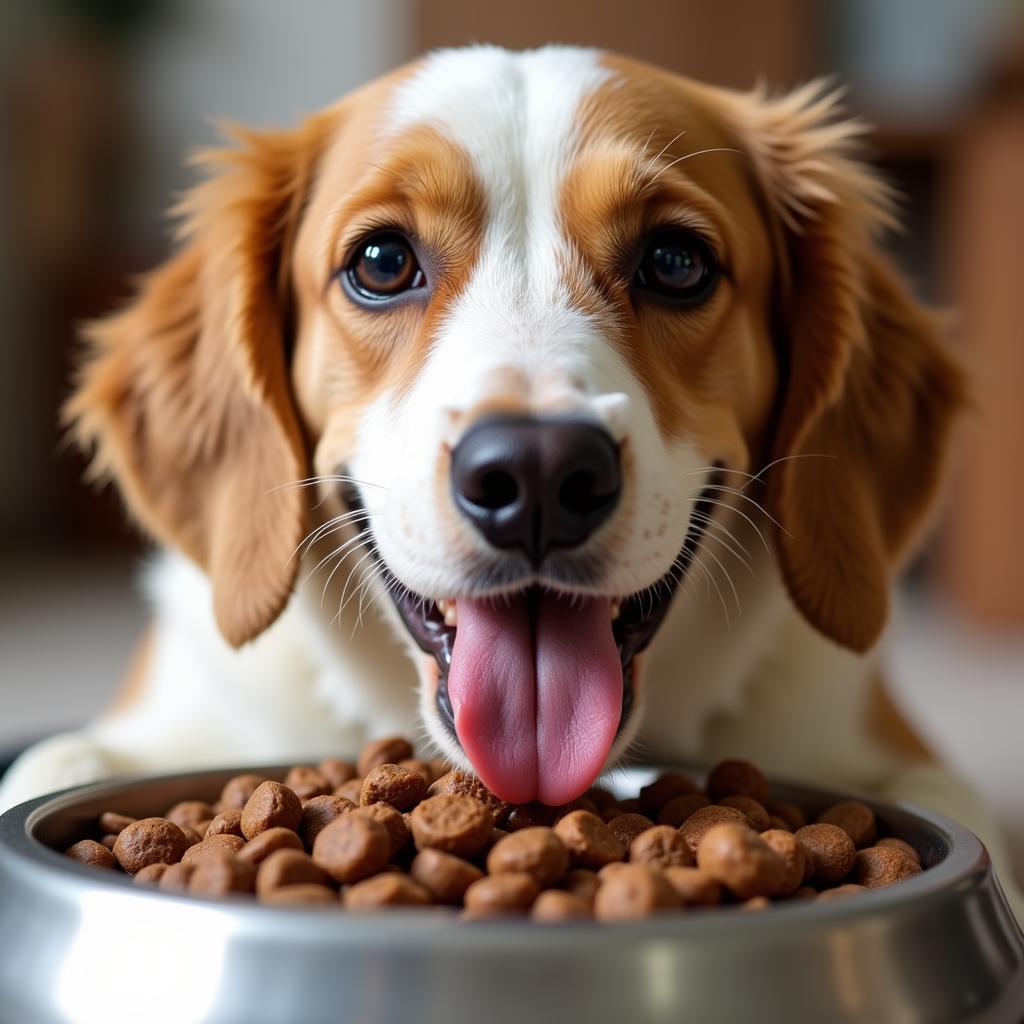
[69,759]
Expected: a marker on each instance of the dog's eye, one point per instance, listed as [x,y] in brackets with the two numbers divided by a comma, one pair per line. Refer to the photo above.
[384,265]
[677,265]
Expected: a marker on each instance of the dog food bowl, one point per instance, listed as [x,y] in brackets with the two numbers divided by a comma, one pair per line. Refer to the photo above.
[83,945]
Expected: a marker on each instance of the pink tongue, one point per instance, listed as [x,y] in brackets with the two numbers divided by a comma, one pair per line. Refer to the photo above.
[536,708]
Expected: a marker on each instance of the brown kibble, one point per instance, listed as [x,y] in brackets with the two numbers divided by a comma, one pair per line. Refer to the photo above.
[459,783]
[830,851]
[626,827]
[176,877]
[388,890]
[792,814]
[393,821]
[756,903]
[633,892]
[288,867]
[392,784]
[236,791]
[610,811]
[610,869]
[856,819]
[677,810]
[879,866]
[390,750]
[492,838]
[631,806]
[849,889]
[215,846]
[601,797]
[202,827]
[536,851]
[113,823]
[792,855]
[694,887]
[300,895]
[445,877]
[352,847]
[660,847]
[261,846]
[556,906]
[351,790]
[151,874]
[271,806]
[581,803]
[666,787]
[227,823]
[903,846]
[318,812]
[149,841]
[739,859]
[755,813]
[108,842]
[454,824]
[189,813]
[336,771]
[192,835]
[531,815]
[421,768]
[507,893]
[775,822]
[737,778]
[582,883]
[88,851]
[590,842]
[307,782]
[698,824]
[219,876]
[440,767]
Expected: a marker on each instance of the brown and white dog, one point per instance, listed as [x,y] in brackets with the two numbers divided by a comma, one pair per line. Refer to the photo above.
[580,387]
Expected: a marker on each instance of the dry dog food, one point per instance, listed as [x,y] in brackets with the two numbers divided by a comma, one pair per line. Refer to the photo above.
[393,830]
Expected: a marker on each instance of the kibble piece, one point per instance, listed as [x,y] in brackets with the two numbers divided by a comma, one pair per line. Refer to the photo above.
[856,819]
[755,813]
[288,867]
[493,837]
[445,877]
[631,806]
[176,877]
[393,821]
[610,869]
[113,823]
[694,887]
[391,784]
[307,782]
[227,823]
[626,827]
[556,906]
[535,851]
[632,892]
[215,846]
[507,893]
[387,890]
[794,859]
[192,835]
[421,768]
[582,883]
[108,842]
[300,895]
[849,889]
[698,824]
[756,903]
[660,847]
[261,846]
[792,814]
[390,750]
[271,806]
[318,812]
[830,851]
[149,841]
[218,876]
[352,848]
[879,866]
[459,783]
[600,797]
[455,824]
[189,813]
[666,787]
[151,874]
[531,815]
[236,791]
[88,851]
[737,778]
[590,842]
[581,803]
[903,846]
[677,810]
[336,771]
[775,822]
[610,811]
[739,859]
[351,790]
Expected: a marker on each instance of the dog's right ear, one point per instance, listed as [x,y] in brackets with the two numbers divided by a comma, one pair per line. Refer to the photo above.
[185,394]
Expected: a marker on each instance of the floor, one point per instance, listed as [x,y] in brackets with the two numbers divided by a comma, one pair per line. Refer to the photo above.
[67,630]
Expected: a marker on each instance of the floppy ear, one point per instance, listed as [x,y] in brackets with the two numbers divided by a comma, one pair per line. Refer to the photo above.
[185,394]
[870,394]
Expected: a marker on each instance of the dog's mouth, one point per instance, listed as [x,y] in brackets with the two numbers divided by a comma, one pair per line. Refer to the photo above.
[536,684]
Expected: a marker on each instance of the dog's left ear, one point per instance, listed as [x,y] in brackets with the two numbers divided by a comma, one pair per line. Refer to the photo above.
[870,393]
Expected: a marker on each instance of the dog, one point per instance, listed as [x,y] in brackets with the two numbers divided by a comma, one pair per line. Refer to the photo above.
[556,406]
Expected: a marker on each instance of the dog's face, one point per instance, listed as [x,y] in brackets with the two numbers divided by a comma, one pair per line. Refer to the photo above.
[538,322]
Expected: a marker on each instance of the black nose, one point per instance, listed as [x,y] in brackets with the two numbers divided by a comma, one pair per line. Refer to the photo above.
[536,483]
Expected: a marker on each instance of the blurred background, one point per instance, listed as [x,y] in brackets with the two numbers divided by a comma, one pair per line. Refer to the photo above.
[101,99]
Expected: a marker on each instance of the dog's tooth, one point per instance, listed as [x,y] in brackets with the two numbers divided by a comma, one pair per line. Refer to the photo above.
[614,609]
[451,613]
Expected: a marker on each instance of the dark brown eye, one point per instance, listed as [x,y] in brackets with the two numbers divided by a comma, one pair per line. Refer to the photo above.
[384,265]
[677,265]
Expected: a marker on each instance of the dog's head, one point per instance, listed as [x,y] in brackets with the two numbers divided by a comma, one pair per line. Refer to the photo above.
[540,321]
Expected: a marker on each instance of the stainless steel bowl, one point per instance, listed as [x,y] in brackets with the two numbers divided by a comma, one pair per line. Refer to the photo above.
[82,945]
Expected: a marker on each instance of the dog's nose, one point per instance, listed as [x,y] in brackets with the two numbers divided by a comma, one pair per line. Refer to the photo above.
[536,483]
